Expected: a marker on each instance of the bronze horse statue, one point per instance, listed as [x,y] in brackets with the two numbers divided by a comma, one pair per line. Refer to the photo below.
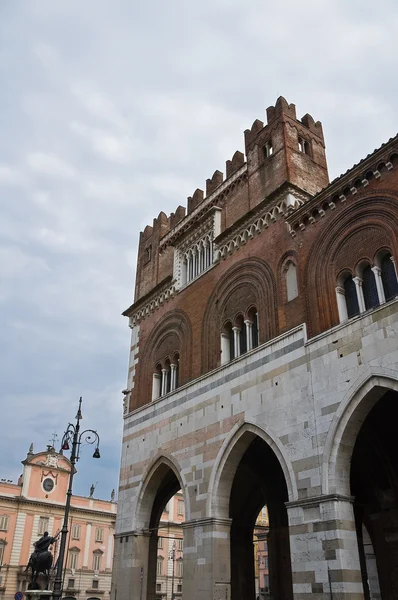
[41,559]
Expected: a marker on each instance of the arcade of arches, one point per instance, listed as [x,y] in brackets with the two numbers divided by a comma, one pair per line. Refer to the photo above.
[251,476]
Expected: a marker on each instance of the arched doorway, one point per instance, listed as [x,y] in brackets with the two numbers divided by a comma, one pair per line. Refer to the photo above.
[259,480]
[374,486]
[162,510]
[248,477]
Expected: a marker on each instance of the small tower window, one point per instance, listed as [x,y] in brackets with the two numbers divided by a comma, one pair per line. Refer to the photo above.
[147,254]
[268,149]
[304,146]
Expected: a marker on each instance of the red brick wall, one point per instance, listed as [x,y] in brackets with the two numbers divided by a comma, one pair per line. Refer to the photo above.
[191,321]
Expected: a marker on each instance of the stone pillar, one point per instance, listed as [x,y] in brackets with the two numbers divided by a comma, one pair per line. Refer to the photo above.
[194,263]
[395,266]
[361,300]
[130,567]
[164,382]
[189,268]
[379,284]
[225,349]
[156,385]
[249,334]
[184,271]
[341,304]
[236,331]
[324,549]
[200,259]
[207,563]
[173,369]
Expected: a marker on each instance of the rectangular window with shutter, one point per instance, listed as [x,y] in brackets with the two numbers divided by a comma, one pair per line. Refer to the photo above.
[180,507]
[180,544]
[43,525]
[97,562]
[4,520]
[73,559]
[99,534]
[76,532]
[2,548]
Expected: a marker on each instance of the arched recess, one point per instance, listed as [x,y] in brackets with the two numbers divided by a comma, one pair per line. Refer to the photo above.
[172,334]
[249,282]
[231,452]
[160,483]
[345,427]
[371,221]
[252,471]
[360,462]
[157,477]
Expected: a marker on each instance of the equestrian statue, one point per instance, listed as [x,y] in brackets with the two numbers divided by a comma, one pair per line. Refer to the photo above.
[41,559]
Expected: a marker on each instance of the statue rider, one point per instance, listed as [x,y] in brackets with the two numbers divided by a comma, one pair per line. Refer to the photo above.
[43,544]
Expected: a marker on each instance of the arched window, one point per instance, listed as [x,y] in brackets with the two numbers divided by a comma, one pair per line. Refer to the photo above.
[369,288]
[240,336]
[291,281]
[351,297]
[174,371]
[389,276]
[157,382]
[167,377]
[159,566]
[253,328]
[227,343]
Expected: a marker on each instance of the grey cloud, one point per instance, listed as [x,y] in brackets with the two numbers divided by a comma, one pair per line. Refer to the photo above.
[111,112]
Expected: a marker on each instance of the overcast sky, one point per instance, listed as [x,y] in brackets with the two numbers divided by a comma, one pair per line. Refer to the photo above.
[113,111]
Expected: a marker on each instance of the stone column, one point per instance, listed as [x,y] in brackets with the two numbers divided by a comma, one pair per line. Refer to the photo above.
[156,385]
[379,284]
[395,266]
[184,270]
[200,259]
[249,334]
[324,549]
[164,382]
[236,331]
[189,268]
[225,349]
[194,263]
[361,300]
[130,567]
[341,304]
[205,254]
[173,368]
[207,570]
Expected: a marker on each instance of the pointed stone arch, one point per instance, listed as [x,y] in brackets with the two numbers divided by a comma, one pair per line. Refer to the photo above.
[149,486]
[231,452]
[348,419]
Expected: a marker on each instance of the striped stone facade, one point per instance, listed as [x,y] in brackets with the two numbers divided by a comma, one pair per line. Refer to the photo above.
[285,422]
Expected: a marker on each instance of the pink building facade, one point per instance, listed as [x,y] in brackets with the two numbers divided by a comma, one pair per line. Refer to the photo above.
[36,504]
[169,567]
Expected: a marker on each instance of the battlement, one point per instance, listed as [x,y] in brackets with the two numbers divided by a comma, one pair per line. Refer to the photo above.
[281,111]
[284,150]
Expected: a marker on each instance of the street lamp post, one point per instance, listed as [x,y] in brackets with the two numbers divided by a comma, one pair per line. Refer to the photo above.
[72,436]
[173,557]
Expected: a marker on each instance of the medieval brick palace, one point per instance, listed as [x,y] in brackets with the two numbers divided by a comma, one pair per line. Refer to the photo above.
[264,371]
